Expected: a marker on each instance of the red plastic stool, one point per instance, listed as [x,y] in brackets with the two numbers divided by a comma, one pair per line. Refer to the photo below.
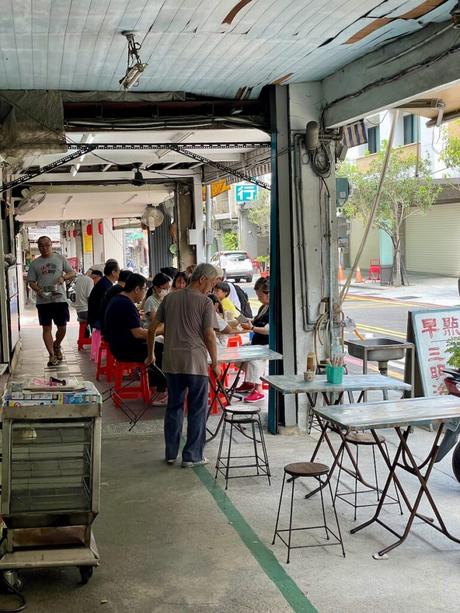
[234,341]
[107,367]
[82,339]
[95,342]
[124,391]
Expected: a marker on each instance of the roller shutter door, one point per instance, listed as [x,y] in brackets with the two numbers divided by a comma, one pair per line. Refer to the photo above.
[433,241]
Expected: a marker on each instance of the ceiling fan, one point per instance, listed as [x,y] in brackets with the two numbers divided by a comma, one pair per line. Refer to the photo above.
[30,200]
[138,178]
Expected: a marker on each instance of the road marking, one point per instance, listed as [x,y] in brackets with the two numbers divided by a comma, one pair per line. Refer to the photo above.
[263,555]
[368,328]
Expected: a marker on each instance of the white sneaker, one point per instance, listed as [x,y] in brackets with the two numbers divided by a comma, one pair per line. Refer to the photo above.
[193,464]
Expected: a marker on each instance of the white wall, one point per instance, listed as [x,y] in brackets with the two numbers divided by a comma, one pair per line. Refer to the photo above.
[433,241]
[371,250]
[113,243]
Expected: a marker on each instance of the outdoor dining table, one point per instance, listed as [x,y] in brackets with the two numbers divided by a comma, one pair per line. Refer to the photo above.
[332,394]
[401,415]
[239,356]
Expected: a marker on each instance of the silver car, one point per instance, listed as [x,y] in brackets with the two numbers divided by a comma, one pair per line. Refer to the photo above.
[236,265]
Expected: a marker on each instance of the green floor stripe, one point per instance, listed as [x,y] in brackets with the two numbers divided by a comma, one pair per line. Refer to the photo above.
[264,556]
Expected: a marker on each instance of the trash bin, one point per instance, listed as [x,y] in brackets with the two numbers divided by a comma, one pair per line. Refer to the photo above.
[386,274]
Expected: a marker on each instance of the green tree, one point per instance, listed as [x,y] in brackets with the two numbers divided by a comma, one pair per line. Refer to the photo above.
[230,241]
[450,155]
[259,212]
[408,190]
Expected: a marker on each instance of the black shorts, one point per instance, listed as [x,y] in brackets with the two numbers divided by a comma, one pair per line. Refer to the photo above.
[54,311]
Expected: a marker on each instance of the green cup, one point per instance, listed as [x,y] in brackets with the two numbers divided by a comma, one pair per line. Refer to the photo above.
[334,374]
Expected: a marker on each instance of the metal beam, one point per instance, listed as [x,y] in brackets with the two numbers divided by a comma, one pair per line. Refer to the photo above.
[226,169]
[395,73]
[177,146]
[24,178]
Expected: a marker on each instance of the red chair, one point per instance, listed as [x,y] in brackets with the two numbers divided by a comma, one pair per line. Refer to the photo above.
[132,390]
[82,339]
[374,270]
[104,367]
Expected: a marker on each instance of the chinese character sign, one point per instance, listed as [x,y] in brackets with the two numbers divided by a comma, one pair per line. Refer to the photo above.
[432,330]
[246,192]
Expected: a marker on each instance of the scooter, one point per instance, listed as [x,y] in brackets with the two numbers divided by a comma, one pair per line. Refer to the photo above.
[451,436]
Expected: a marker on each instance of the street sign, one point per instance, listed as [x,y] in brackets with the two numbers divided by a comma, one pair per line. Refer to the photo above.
[246,192]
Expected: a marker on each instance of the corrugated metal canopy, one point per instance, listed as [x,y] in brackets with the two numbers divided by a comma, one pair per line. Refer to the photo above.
[222,48]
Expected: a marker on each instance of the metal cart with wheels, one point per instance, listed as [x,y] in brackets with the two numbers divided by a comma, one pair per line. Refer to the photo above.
[50,487]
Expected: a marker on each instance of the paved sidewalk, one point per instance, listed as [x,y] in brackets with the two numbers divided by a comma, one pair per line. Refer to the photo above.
[430,289]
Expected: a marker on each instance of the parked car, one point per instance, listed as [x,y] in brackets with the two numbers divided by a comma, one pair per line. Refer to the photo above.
[236,265]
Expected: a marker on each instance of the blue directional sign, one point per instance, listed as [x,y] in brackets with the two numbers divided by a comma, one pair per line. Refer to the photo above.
[246,192]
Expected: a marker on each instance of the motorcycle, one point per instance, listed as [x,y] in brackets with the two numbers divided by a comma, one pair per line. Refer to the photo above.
[451,436]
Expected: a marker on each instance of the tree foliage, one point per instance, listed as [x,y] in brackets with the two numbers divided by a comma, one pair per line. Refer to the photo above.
[408,190]
[451,152]
[259,212]
[230,241]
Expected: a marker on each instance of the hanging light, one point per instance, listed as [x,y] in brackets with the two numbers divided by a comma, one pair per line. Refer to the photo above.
[135,67]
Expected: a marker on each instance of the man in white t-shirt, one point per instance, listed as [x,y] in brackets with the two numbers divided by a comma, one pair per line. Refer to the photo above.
[47,276]
[83,285]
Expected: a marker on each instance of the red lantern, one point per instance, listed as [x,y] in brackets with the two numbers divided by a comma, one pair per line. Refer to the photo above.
[100,227]
[74,233]
[89,229]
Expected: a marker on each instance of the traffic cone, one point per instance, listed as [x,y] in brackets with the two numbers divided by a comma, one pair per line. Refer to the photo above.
[341,275]
[358,275]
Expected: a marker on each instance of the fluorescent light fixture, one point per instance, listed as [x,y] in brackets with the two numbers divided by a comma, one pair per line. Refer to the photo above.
[74,169]
[135,66]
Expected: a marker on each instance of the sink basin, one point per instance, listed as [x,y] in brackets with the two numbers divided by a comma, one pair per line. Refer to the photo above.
[378,349]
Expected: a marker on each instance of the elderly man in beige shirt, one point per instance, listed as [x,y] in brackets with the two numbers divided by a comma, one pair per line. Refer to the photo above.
[189,322]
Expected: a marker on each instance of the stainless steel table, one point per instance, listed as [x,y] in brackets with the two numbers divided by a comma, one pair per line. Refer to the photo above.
[332,394]
[234,355]
[400,415]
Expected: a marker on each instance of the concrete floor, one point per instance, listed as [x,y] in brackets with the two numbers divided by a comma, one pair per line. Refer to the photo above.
[172,540]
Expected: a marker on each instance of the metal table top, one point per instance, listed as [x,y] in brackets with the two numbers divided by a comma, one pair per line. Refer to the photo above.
[295,384]
[393,413]
[246,353]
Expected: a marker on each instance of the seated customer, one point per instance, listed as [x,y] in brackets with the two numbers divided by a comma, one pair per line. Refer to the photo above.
[222,292]
[110,293]
[123,329]
[260,329]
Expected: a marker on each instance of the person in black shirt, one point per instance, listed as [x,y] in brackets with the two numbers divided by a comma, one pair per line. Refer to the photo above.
[111,272]
[260,329]
[124,332]
[110,293]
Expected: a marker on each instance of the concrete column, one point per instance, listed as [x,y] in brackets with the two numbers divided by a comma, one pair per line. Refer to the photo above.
[304,231]
[98,243]
[208,223]
[113,243]
[187,236]
[199,237]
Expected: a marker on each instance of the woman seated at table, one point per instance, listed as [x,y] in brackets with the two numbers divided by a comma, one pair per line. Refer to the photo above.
[160,287]
[260,329]
[180,281]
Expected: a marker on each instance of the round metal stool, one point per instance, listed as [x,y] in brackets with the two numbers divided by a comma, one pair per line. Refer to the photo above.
[238,416]
[362,439]
[313,470]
